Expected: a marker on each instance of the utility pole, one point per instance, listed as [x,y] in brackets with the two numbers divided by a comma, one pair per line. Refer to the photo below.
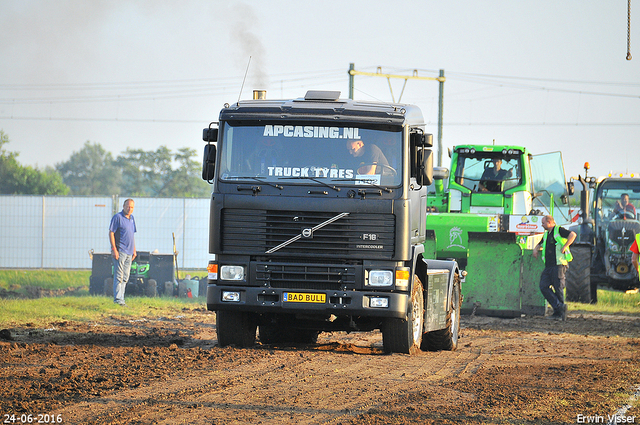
[441,79]
[440,114]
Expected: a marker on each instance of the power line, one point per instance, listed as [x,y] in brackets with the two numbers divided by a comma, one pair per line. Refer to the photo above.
[124,120]
[448,124]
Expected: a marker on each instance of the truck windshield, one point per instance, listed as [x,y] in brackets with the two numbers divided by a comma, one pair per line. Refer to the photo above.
[311,154]
[483,172]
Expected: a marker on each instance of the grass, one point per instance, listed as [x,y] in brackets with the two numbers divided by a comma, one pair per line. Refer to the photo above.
[611,302]
[79,305]
[43,312]
[18,280]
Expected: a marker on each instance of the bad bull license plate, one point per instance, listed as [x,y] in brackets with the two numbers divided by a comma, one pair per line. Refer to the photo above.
[298,297]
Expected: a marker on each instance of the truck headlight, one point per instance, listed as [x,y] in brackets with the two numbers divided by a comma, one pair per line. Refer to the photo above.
[231,273]
[380,278]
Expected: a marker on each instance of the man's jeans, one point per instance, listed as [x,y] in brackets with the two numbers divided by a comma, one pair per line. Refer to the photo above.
[552,282]
[121,269]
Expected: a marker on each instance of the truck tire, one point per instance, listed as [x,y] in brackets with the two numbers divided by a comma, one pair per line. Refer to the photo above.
[578,277]
[108,287]
[405,336]
[235,328]
[447,338]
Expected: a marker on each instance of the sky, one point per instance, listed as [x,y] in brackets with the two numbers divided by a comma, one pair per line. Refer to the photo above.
[545,74]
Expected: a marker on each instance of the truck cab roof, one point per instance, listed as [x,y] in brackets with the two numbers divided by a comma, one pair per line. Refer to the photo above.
[324,106]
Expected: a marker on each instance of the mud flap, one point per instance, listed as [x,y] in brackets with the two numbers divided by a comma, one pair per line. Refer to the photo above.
[436,288]
[438,284]
[493,284]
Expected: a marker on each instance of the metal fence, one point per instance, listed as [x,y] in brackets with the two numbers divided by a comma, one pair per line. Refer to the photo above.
[60,232]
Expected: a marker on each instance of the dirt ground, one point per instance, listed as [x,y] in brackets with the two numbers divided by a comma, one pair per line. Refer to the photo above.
[527,370]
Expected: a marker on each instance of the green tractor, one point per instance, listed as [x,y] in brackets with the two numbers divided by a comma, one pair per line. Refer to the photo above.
[486,213]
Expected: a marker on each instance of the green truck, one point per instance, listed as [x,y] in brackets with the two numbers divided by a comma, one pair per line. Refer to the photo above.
[486,214]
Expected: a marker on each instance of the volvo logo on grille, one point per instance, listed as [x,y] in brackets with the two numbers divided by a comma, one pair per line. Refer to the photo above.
[307,233]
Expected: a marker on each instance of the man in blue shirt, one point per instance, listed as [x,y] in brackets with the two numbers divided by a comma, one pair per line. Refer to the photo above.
[123,249]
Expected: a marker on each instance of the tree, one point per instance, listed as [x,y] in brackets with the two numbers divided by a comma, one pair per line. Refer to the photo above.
[187,178]
[91,171]
[152,174]
[16,179]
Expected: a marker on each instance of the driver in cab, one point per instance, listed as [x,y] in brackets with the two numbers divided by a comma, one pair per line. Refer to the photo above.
[624,208]
[369,156]
[492,177]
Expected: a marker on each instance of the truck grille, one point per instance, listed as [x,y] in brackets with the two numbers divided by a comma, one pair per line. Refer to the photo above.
[305,276]
[353,236]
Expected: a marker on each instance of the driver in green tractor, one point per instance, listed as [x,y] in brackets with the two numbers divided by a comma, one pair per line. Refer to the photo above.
[492,177]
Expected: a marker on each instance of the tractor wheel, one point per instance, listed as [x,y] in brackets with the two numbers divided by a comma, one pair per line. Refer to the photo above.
[96,285]
[447,338]
[405,336]
[151,288]
[578,277]
[235,328]
[108,287]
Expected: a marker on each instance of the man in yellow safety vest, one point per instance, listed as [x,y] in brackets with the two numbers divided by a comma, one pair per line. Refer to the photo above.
[556,256]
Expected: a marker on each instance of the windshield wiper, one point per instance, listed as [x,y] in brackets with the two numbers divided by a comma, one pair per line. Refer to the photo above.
[337,189]
[367,181]
[260,179]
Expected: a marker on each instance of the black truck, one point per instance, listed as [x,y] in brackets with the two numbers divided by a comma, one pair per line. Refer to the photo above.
[318,223]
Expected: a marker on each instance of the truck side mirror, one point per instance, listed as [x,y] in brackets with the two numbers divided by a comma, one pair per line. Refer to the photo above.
[210,134]
[209,162]
[421,139]
[424,164]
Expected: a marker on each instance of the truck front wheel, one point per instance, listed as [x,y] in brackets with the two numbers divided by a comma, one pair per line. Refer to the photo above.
[235,328]
[405,336]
